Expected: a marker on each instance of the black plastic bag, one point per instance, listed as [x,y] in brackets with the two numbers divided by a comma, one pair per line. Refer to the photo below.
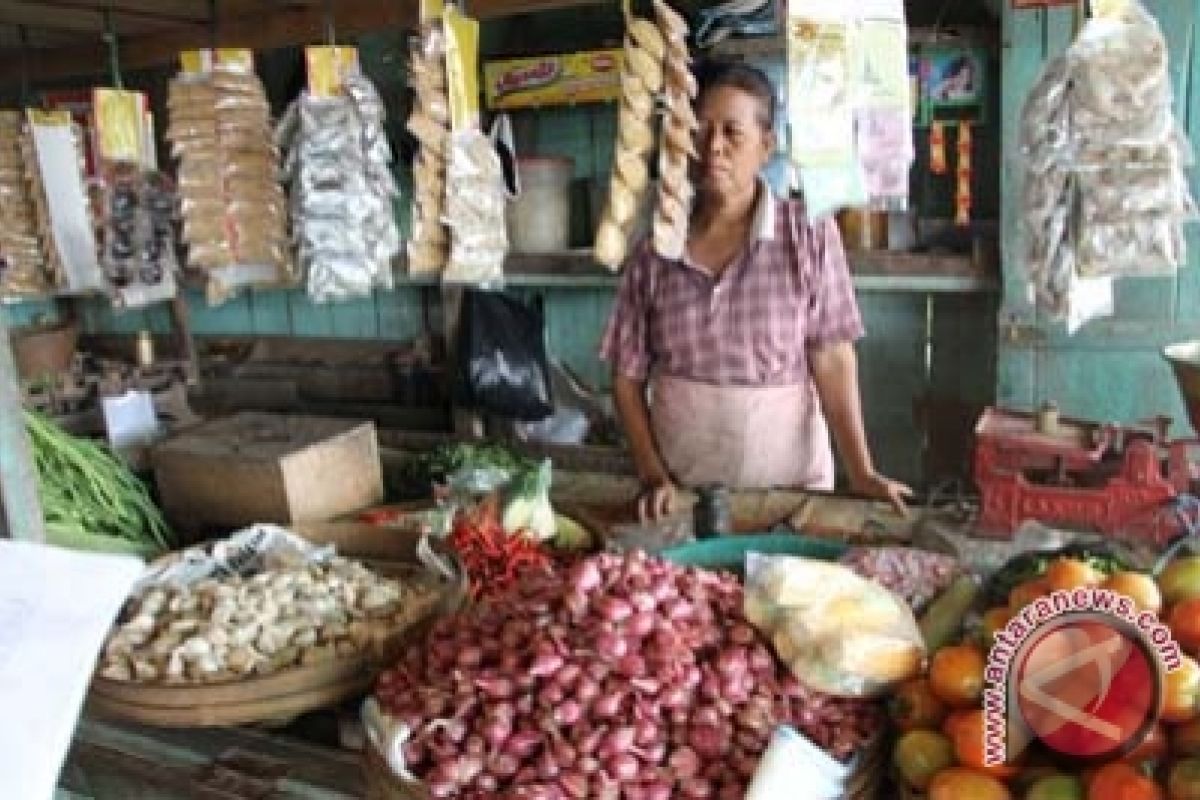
[502,363]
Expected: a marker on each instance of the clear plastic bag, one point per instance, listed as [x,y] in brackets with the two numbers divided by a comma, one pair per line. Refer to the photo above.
[338,165]
[475,211]
[839,633]
[1104,192]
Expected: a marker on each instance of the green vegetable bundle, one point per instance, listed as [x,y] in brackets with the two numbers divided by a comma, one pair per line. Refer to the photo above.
[435,466]
[90,499]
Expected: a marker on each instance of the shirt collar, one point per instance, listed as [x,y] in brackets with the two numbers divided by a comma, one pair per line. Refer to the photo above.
[763,224]
[764,212]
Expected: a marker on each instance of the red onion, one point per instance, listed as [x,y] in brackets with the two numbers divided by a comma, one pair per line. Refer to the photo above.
[568,713]
[632,678]
[574,784]
[615,609]
[523,744]
[684,763]
[623,767]
[546,664]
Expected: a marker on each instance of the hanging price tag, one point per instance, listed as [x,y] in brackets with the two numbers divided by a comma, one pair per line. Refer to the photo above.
[120,125]
[236,58]
[196,62]
[327,66]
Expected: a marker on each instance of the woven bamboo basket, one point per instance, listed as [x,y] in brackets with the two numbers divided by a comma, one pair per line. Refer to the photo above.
[289,692]
[382,784]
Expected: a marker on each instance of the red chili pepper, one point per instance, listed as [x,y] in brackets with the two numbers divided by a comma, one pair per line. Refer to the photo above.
[495,560]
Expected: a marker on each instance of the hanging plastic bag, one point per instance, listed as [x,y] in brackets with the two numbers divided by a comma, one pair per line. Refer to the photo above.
[502,364]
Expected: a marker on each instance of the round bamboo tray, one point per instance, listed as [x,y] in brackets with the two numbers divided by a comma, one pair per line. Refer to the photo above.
[281,695]
[383,784]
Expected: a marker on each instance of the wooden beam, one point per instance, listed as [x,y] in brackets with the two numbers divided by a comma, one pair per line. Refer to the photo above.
[36,15]
[491,9]
[10,37]
[281,27]
[281,23]
[191,10]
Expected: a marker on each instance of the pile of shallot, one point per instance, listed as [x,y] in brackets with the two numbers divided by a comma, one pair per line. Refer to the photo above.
[627,677]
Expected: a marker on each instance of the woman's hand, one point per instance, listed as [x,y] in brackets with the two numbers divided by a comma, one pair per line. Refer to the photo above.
[658,499]
[880,487]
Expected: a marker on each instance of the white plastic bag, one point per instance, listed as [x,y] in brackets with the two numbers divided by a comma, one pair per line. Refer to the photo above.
[840,633]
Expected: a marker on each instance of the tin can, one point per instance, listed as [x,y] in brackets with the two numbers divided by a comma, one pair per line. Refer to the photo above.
[145,349]
[712,515]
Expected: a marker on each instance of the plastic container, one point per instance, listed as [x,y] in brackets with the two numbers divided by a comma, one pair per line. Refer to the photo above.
[653,537]
[539,219]
[729,552]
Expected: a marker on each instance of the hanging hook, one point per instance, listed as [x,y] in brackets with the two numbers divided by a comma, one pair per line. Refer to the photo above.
[330,28]
[212,24]
[110,38]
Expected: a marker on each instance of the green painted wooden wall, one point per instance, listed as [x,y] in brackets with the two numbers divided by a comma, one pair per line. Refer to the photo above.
[1111,369]
[922,351]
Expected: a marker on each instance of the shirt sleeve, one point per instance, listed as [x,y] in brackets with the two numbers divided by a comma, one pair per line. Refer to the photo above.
[626,343]
[833,311]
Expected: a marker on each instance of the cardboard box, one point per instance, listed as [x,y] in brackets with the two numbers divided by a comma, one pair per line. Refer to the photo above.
[256,467]
[588,77]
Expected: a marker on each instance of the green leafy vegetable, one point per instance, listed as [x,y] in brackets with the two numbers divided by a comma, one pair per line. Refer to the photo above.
[87,493]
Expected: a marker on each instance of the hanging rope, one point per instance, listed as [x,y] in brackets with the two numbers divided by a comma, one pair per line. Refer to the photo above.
[212,24]
[330,28]
[110,38]
[23,38]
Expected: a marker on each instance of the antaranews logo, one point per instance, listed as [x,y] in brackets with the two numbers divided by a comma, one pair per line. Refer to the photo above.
[1080,671]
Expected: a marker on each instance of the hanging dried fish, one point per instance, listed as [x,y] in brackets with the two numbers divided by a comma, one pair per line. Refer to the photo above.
[641,78]
[678,148]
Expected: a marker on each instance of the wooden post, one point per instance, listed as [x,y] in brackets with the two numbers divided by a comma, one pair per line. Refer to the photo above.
[467,424]
[185,343]
[18,475]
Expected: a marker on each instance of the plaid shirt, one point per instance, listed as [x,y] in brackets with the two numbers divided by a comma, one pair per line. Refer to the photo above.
[787,291]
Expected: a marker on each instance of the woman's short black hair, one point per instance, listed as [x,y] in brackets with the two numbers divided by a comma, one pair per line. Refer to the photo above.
[717,73]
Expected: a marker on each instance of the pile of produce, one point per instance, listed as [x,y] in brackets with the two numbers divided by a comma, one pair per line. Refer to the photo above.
[231,627]
[941,721]
[422,471]
[496,560]
[87,493]
[627,677]
[916,576]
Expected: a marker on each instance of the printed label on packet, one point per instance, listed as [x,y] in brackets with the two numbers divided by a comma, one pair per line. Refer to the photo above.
[327,66]
[120,125]
[588,77]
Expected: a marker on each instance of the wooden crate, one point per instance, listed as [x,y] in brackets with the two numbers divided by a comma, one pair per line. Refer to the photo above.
[256,467]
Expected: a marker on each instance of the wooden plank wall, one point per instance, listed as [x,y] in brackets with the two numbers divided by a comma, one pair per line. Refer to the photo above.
[1112,369]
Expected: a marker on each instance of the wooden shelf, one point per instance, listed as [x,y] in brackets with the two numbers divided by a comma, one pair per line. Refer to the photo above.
[919,273]
[776,45]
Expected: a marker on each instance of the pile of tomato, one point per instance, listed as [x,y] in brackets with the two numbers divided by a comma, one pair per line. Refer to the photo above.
[940,721]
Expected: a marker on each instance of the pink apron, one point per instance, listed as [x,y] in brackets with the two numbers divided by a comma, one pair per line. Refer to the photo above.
[741,437]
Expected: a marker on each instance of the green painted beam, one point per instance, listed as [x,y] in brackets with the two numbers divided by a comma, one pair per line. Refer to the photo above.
[18,476]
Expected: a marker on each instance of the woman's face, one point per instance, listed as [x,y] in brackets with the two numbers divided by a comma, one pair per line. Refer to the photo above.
[733,142]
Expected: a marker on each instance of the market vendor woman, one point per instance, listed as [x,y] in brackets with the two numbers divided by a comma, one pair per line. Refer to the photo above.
[746,345]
